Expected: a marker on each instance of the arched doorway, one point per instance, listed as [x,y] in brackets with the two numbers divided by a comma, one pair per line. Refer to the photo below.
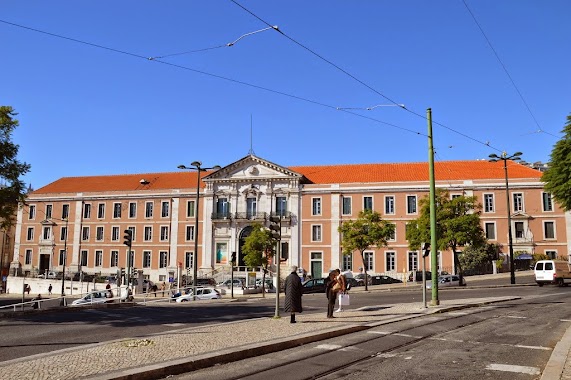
[246,231]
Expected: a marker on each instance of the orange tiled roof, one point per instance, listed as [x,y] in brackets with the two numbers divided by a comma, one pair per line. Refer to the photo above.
[351,173]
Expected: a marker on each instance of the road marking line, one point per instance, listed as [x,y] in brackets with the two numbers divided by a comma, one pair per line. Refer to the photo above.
[174,324]
[565,320]
[457,313]
[513,368]
[379,332]
[383,355]
[534,347]
[329,347]
[514,316]
[448,340]
[408,335]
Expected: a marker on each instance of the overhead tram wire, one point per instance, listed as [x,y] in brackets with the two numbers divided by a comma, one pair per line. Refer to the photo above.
[357,79]
[506,70]
[229,44]
[211,75]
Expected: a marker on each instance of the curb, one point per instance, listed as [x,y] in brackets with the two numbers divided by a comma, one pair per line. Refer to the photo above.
[554,367]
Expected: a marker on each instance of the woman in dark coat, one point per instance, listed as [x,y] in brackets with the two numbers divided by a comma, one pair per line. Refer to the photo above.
[293,294]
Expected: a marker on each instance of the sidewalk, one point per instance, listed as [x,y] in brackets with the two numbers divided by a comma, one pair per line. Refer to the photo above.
[188,349]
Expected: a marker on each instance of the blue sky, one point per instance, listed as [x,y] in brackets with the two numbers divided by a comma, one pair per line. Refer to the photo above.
[85,110]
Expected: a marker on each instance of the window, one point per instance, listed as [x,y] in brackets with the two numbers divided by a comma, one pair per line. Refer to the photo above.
[148,233]
[316,233]
[86,211]
[549,230]
[284,249]
[393,235]
[114,259]
[116,210]
[454,196]
[132,210]
[188,259]
[61,257]
[32,212]
[411,204]
[99,233]
[149,210]
[163,259]
[518,230]
[63,234]
[190,209]
[316,206]
[132,232]
[64,211]
[114,233]
[98,258]
[251,207]
[28,258]
[390,261]
[83,258]
[389,204]
[490,230]
[346,206]
[547,202]
[189,233]
[368,203]
[164,233]
[551,254]
[348,261]
[165,209]
[47,234]
[368,259]
[518,202]
[101,211]
[412,261]
[85,233]
[222,207]
[30,234]
[488,202]
[49,209]
[146,259]
[281,205]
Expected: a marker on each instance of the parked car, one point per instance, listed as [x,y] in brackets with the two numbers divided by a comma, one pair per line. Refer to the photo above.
[205,281]
[351,282]
[361,278]
[269,283]
[379,280]
[418,277]
[97,297]
[315,285]
[448,280]
[201,294]
[552,272]
[51,275]
[237,282]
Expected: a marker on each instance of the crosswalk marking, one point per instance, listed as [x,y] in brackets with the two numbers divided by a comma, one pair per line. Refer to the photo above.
[513,368]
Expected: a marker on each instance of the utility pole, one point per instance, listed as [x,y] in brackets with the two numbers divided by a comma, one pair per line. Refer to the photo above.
[433,240]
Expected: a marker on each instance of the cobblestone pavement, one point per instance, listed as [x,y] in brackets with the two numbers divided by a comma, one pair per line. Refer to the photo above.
[133,358]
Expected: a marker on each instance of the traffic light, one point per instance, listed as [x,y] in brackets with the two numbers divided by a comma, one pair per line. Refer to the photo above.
[276,227]
[122,272]
[128,238]
[426,249]
[233,259]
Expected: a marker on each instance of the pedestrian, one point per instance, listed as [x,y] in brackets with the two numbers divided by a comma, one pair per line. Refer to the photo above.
[293,294]
[28,289]
[163,287]
[50,289]
[36,305]
[331,292]
[108,286]
[342,281]
[154,289]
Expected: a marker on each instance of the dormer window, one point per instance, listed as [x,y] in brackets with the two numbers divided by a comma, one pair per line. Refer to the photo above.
[251,207]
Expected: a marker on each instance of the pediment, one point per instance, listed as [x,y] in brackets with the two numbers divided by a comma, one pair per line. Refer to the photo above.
[252,168]
[521,215]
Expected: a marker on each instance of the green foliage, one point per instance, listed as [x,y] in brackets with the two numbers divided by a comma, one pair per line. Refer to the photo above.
[258,247]
[539,256]
[13,189]
[557,177]
[368,230]
[457,220]
[475,257]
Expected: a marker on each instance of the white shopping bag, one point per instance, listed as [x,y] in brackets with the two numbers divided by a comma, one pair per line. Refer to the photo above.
[344,300]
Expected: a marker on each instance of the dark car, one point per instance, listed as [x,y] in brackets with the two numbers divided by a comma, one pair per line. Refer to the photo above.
[351,283]
[315,285]
[205,281]
[361,279]
[379,280]
[419,276]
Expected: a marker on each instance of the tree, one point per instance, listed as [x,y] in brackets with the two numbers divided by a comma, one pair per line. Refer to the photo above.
[476,258]
[368,230]
[13,190]
[457,220]
[259,249]
[557,177]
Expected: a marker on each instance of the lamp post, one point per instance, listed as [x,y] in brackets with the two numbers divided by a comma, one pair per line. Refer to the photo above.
[62,301]
[198,167]
[504,157]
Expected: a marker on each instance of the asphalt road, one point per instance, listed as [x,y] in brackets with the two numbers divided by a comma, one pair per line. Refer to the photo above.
[512,340]
[30,334]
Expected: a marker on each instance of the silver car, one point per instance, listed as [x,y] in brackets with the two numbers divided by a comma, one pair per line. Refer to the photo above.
[97,297]
[448,280]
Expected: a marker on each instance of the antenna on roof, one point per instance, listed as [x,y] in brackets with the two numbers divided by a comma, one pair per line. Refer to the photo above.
[251,151]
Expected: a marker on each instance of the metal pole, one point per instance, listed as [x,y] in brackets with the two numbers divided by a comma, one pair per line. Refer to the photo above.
[278,263]
[423,279]
[510,242]
[62,301]
[433,242]
[195,253]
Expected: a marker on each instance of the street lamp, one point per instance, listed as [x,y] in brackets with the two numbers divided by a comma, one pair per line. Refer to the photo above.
[62,301]
[504,157]
[198,167]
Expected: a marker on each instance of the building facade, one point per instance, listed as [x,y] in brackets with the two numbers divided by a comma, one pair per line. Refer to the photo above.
[79,222]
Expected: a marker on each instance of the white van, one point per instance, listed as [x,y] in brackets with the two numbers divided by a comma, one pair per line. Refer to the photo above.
[552,272]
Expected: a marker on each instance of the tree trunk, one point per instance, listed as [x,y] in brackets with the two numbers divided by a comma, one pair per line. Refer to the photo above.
[457,265]
[365,270]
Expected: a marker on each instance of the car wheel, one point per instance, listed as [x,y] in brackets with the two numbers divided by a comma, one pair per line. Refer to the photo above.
[540,284]
[560,282]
